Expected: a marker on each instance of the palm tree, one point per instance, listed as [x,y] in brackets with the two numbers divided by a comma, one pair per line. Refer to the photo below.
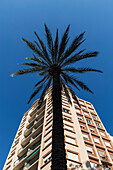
[55,65]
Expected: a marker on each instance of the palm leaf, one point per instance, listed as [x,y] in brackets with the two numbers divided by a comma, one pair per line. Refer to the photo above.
[34,93]
[28,64]
[74,96]
[33,47]
[43,72]
[49,38]
[74,45]
[24,71]
[56,46]
[40,61]
[83,86]
[43,93]
[63,43]
[66,93]
[72,59]
[39,82]
[44,50]
[81,70]
[69,79]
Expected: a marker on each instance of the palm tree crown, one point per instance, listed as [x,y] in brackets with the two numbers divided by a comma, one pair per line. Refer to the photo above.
[57,58]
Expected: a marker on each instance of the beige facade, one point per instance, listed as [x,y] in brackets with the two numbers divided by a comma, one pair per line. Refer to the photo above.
[87,142]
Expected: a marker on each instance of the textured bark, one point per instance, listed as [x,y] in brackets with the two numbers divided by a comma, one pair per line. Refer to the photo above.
[58,146]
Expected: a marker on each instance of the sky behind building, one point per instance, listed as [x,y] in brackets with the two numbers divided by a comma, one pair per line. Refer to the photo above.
[19,19]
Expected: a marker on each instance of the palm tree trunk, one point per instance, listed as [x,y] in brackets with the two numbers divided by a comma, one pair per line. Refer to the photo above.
[58,146]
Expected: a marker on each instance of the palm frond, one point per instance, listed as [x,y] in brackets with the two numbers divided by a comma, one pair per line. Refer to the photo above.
[67,93]
[44,50]
[44,91]
[49,39]
[69,79]
[28,64]
[39,82]
[74,45]
[74,96]
[80,70]
[43,72]
[56,46]
[72,59]
[40,61]
[83,86]
[34,93]
[24,71]
[63,43]
[33,47]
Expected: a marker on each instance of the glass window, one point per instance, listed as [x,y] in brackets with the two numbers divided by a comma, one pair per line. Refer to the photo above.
[80,118]
[111,156]
[67,118]
[83,107]
[92,130]
[96,140]
[47,158]
[102,133]
[48,142]
[88,121]
[69,127]
[72,156]
[70,140]
[49,120]
[94,117]
[89,149]
[82,127]
[65,110]
[107,144]
[98,124]
[47,130]
[86,114]
[102,154]
[85,136]
[94,165]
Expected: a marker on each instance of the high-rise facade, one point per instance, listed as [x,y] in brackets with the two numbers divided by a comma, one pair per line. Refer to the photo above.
[87,142]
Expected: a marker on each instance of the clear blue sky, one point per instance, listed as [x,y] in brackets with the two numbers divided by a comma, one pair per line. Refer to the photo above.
[19,18]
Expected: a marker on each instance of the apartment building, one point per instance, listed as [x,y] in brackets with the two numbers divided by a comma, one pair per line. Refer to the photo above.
[87,143]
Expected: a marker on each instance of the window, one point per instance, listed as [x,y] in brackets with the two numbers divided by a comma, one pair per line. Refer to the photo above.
[47,158]
[83,107]
[67,118]
[48,142]
[89,149]
[88,105]
[111,156]
[69,127]
[65,110]
[85,136]
[107,144]
[72,156]
[94,165]
[80,118]
[101,153]
[88,121]
[16,142]
[92,130]
[98,124]
[82,127]
[86,114]
[94,117]
[96,140]
[70,140]
[48,113]
[48,130]
[49,120]
[102,133]
[81,102]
